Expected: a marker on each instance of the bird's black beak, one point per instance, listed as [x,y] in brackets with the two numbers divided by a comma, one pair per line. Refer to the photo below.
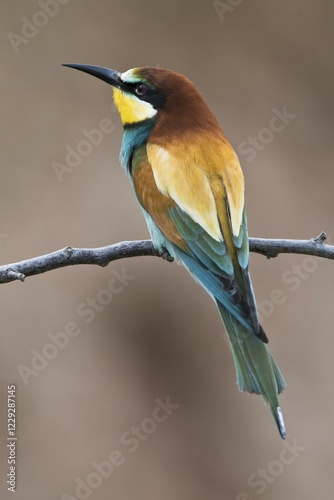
[107,75]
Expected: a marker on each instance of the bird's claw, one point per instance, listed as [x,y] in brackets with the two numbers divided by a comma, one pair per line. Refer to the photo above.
[166,255]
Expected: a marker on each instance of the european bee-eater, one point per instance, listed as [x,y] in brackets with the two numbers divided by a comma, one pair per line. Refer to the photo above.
[190,186]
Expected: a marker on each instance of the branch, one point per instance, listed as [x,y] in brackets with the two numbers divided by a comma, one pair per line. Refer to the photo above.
[69,256]
[272,248]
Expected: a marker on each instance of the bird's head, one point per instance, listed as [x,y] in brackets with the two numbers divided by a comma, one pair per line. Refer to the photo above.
[149,93]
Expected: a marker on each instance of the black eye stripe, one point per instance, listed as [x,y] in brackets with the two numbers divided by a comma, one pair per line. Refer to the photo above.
[132,85]
[154,96]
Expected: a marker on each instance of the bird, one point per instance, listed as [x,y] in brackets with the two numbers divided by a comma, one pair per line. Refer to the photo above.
[190,186]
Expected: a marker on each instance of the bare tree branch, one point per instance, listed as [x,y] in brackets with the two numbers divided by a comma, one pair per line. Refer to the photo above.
[102,256]
[272,247]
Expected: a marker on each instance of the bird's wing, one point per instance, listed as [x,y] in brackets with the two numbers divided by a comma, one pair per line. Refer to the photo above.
[192,208]
[182,174]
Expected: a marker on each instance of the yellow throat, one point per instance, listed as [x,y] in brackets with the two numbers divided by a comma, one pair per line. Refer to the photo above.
[132,109]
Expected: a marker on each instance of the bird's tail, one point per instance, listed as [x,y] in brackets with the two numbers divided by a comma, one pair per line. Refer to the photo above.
[256,369]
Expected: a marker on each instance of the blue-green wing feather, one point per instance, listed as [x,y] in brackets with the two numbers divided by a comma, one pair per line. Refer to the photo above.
[211,264]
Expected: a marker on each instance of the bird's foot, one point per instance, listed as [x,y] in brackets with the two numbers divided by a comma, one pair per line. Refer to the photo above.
[166,255]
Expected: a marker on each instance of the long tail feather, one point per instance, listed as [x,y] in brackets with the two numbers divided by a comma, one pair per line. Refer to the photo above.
[256,369]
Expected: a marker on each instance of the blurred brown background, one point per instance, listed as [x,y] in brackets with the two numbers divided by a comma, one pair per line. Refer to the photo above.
[161,336]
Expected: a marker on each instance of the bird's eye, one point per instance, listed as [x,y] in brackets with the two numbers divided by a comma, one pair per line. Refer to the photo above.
[141,89]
